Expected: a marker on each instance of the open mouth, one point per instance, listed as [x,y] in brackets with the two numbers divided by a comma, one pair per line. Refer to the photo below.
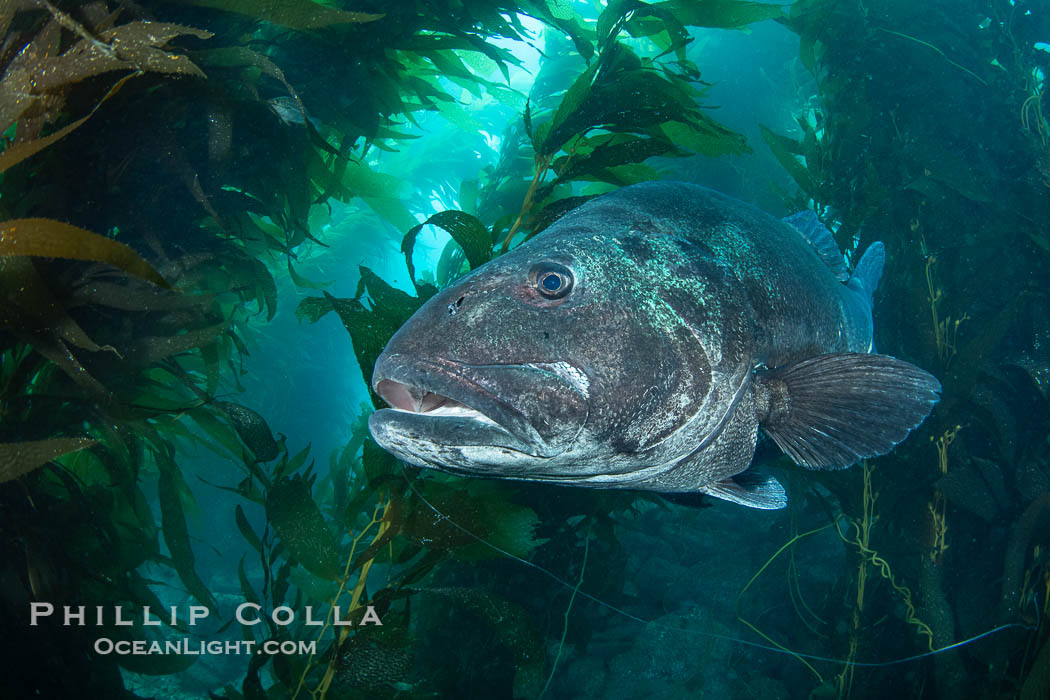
[467,417]
[405,397]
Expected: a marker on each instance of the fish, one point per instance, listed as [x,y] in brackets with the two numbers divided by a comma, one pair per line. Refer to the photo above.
[643,341]
[290,111]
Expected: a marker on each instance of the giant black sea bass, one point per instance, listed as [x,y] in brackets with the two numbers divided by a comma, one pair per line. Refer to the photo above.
[641,342]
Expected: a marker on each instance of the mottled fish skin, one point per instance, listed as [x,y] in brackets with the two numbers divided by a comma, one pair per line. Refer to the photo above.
[642,375]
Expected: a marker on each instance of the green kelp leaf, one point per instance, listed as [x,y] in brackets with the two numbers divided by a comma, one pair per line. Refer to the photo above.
[234,56]
[246,587]
[20,458]
[301,528]
[706,137]
[252,429]
[566,118]
[370,328]
[294,14]
[619,94]
[721,14]
[220,432]
[611,150]
[301,281]
[48,238]
[290,465]
[266,288]
[784,150]
[176,536]
[313,309]
[376,462]
[246,529]
[466,230]
[561,9]
[653,21]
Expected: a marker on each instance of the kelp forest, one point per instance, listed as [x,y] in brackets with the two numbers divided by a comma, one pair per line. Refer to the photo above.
[193,192]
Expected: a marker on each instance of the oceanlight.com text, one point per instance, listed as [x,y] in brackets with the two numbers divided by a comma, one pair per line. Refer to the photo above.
[188,647]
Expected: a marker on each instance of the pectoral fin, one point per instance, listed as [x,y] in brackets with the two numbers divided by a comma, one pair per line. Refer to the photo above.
[751,490]
[829,411]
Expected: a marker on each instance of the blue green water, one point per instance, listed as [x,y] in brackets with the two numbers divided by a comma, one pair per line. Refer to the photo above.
[269,161]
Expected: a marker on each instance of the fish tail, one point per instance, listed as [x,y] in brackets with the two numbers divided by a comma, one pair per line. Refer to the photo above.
[866,276]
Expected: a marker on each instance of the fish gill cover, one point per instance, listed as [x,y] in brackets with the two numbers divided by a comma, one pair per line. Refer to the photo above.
[181,181]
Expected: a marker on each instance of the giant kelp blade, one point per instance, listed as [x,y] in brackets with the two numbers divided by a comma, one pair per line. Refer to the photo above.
[706,137]
[140,47]
[608,151]
[54,239]
[176,536]
[298,522]
[294,14]
[20,458]
[18,152]
[466,230]
[252,430]
[369,328]
[246,529]
[784,150]
[564,123]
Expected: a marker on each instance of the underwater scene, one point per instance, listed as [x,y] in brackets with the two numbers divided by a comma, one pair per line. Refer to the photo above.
[525,349]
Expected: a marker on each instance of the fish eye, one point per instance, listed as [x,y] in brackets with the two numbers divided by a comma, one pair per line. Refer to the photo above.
[552,280]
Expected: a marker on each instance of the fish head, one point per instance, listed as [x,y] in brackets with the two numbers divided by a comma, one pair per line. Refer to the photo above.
[578,356]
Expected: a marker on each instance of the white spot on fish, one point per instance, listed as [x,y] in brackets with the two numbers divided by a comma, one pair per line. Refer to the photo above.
[570,373]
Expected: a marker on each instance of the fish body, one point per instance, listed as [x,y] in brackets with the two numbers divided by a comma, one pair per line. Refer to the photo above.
[641,342]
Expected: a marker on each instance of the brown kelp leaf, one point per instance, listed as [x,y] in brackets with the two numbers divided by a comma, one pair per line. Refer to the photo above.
[136,45]
[139,44]
[146,350]
[132,295]
[54,239]
[301,528]
[20,151]
[30,306]
[32,314]
[18,458]
[18,93]
[294,14]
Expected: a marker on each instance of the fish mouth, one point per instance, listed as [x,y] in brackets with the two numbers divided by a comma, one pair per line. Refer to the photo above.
[437,411]
[410,399]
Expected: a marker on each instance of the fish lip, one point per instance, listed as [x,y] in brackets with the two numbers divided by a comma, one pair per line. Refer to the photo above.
[448,379]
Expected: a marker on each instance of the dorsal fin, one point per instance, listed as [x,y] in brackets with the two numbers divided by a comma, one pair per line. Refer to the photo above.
[822,240]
